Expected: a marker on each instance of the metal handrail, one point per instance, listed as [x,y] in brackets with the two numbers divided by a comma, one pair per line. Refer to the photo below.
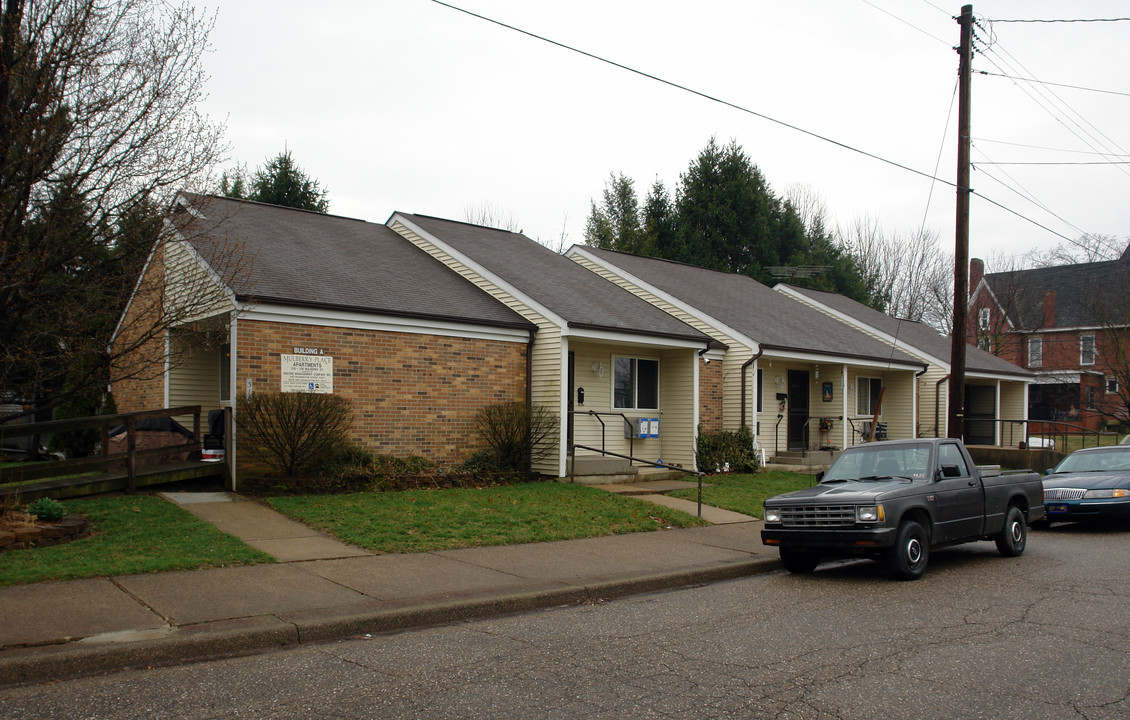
[630,457]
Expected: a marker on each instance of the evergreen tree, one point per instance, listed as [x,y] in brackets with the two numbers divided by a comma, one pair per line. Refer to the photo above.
[279,182]
[615,225]
[660,228]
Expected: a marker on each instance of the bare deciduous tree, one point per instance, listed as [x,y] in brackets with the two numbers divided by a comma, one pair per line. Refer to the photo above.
[98,130]
[911,274]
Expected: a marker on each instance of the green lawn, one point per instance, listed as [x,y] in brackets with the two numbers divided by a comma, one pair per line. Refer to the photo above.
[131,534]
[423,520]
[746,493]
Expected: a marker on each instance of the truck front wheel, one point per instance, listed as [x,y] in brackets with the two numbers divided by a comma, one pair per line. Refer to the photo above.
[911,551]
[797,562]
[1014,536]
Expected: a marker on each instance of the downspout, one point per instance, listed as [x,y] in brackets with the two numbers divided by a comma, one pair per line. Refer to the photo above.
[745,372]
[530,371]
[938,402]
[914,419]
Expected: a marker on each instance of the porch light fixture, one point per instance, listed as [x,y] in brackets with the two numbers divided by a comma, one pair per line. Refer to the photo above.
[598,368]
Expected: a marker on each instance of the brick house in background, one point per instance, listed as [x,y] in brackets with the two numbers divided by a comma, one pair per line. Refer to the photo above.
[1068,324]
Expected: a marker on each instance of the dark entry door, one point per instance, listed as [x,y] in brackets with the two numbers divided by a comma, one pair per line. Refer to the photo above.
[798,410]
[980,409]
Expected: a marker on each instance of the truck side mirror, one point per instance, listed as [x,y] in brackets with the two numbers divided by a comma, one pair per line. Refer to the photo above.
[950,471]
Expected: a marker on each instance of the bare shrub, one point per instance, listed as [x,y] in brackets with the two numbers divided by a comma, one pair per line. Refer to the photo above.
[294,432]
[518,434]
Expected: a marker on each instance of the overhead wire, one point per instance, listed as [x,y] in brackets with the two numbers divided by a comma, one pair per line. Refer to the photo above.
[1055,84]
[938,162]
[907,23]
[1042,147]
[740,108]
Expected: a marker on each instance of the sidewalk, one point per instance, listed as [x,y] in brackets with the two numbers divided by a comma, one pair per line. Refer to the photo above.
[323,590]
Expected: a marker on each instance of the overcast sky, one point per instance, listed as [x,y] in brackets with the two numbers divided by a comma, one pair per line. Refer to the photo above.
[412,106]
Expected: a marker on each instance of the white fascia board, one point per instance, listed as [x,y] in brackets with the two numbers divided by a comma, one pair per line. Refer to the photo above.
[688,309]
[1072,329]
[626,338]
[1057,377]
[714,355]
[773,354]
[998,377]
[865,327]
[292,315]
[481,270]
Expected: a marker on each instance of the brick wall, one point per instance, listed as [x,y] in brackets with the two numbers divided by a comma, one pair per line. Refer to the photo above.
[137,373]
[710,396]
[411,394]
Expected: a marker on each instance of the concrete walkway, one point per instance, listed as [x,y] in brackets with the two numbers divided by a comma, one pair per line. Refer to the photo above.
[324,590]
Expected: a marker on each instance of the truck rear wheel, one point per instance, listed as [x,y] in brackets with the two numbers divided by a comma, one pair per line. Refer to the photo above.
[1014,536]
[911,551]
[797,562]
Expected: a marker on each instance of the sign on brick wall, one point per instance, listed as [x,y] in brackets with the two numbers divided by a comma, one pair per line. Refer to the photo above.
[307,373]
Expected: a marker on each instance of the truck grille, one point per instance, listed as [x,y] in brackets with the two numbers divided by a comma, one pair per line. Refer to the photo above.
[818,515]
[1063,493]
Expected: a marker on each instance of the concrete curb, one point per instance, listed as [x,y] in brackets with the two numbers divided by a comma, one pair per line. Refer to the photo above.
[247,636]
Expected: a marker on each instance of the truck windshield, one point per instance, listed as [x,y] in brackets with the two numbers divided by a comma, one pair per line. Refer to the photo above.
[880,461]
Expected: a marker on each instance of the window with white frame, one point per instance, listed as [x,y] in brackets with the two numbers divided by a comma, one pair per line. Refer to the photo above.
[983,318]
[1087,350]
[1035,352]
[985,343]
[1089,396]
[635,383]
[867,395]
[1112,384]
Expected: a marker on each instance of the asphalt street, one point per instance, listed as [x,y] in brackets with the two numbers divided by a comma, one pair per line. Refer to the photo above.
[980,636]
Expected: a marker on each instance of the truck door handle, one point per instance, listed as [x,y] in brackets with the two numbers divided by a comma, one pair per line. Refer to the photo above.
[972,483]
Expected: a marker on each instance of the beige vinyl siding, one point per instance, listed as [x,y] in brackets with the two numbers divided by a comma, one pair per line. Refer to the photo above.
[192,291]
[675,444]
[676,396]
[1013,406]
[195,378]
[545,390]
[737,354]
[732,363]
[774,436]
[897,410]
[930,404]
[546,374]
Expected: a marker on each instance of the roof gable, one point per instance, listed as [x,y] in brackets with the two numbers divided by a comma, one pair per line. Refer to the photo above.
[579,298]
[1020,293]
[769,318]
[327,261]
[918,336]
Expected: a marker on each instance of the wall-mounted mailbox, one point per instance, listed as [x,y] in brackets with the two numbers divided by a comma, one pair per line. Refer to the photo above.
[641,428]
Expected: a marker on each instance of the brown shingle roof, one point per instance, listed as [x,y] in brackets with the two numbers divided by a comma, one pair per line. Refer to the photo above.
[917,335]
[316,260]
[770,318]
[581,298]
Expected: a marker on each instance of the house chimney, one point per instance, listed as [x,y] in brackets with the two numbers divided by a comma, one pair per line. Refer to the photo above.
[1049,308]
[976,272]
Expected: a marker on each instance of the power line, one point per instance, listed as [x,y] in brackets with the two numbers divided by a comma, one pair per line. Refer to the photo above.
[938,162]
[692,91]
[1044,82]
[907,23]
[1024,192]
[1050,149]
[1065,20]
[739,108]
[1039,162]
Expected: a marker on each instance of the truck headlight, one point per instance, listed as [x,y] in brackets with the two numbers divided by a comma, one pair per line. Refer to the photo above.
[772,515]
[1107,493]
[869,513]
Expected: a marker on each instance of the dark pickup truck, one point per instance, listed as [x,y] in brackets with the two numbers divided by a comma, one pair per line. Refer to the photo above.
[896,500]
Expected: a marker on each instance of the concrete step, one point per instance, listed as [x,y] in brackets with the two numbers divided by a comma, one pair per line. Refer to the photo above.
[598,465]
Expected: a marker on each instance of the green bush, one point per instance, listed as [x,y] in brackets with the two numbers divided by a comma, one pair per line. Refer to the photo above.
[732,448]
[47,510]
[294,432]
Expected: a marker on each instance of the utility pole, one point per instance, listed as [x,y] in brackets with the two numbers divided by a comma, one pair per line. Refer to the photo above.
[961,243]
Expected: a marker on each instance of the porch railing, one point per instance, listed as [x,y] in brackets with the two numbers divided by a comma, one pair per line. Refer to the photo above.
[630,457]
[104,460]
